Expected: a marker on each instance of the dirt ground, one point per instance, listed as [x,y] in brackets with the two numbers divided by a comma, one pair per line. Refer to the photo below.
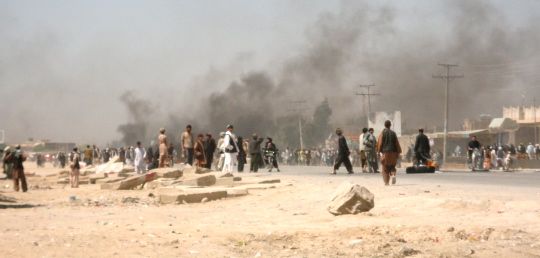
[409,220]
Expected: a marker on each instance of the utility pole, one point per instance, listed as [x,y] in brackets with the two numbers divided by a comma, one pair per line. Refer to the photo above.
[2,136]
[447,78]
[535,125]
[298,109]
[368,95]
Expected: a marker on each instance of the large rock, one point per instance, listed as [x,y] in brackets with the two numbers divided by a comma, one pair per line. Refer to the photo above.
[191,195]
[167,172]
[130,182]
[351,199]
[200,180]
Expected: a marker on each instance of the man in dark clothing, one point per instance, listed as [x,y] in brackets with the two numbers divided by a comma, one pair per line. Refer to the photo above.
[271,152]
[343,153]
[388,146]
[209,149]
[255,153]
[421,147]
[17,158]
[473,144]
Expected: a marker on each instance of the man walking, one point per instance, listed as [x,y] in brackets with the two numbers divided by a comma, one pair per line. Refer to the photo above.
[343,154]
[255,153]
[388,146]
[370,147]
[421,148]
[186,141]
[230,149]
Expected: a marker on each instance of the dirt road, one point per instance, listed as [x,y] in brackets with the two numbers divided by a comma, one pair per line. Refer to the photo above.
[415,218]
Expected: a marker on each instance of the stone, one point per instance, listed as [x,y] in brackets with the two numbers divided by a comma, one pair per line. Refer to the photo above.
[351,199]
[114,167]
[161,182]
[203,170]
[407,251]
[130,182]
[236,192]
[93,178]
[200,180]
[189,170]
[237,179]
[270,181]
[167,172]
[256,186]
[193,195]
[225,181]
[109,180]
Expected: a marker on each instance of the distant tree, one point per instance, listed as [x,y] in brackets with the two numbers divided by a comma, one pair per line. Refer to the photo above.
[319,128]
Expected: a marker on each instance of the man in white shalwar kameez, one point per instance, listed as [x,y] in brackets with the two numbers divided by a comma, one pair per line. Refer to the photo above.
[140,154]
[230,150]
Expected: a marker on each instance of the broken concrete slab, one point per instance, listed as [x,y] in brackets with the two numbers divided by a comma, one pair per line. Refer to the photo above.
[200,180]
[167,172]
[203,170]
[194,195]
[190,170]
[109,180]
[225,181]
[256,186]
[93,178]
[162,182]
[270,181]
[351,198]
[130,182]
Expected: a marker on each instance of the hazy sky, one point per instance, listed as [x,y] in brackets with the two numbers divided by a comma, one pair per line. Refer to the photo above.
[64,64]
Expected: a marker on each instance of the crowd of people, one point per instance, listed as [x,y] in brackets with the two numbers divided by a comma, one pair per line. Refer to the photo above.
[232,153]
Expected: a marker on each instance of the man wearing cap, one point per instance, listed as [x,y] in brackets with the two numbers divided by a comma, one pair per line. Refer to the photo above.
[187,143]
[343,153]
[255,153]
[388,146]
[230,149]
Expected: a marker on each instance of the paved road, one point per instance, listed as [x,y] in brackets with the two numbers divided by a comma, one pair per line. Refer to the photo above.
[515,179]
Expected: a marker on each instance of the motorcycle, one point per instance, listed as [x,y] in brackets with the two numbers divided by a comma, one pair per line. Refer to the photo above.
[476,162]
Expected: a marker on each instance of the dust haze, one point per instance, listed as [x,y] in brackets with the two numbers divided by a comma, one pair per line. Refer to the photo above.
[104,89]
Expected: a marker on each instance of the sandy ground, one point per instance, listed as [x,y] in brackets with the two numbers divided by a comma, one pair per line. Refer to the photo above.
[413,220]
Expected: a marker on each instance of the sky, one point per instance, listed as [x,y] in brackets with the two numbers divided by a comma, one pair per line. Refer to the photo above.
[64,64]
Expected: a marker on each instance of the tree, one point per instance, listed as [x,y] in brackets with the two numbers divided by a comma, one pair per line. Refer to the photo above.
[319,128]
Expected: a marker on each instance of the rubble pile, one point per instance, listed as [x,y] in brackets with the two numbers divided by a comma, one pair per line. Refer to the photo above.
[176,185]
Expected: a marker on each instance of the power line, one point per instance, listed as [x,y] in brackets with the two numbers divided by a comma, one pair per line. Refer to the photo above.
[299,109]
[447,78]
[368,95]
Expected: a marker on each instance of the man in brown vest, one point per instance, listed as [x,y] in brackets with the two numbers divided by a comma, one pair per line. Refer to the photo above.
[388,146]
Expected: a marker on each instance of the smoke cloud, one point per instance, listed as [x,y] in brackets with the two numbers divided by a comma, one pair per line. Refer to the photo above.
[395,46]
